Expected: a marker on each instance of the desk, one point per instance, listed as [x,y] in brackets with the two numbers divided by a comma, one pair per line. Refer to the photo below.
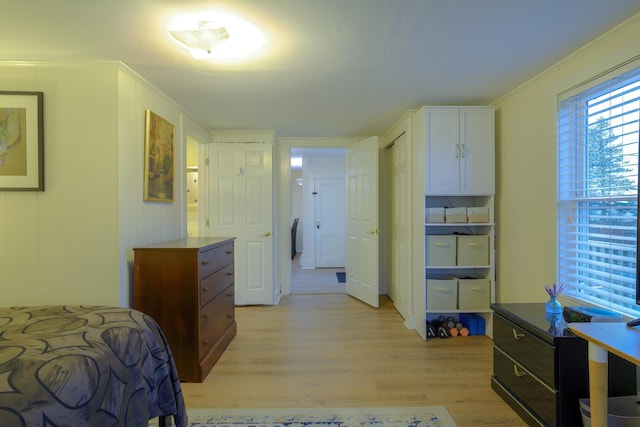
[604,338]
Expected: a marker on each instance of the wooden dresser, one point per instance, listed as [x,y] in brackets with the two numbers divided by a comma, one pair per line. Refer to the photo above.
[540,368]
[186,286]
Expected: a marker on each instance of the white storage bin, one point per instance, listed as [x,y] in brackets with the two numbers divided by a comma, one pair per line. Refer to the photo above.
[454,215]
[473,250]
[478,214]
[434,215]
[474,294]
[441,250]
[442,294]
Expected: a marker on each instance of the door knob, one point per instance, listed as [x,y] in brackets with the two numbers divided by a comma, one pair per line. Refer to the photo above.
[266,233]
[374,231]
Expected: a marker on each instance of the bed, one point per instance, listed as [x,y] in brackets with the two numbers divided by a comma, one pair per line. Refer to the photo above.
[85,366]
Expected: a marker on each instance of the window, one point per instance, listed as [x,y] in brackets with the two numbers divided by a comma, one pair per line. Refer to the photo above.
[597,192]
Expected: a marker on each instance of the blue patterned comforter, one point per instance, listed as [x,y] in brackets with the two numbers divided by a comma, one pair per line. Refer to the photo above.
[85,366]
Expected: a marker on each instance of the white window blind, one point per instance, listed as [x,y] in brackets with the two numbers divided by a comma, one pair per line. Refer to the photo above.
[597,159]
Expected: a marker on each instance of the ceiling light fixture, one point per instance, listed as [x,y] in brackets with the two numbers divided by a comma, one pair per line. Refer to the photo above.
[206,37]
[217,36]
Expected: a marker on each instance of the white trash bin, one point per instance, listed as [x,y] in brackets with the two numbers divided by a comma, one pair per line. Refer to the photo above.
[623,411]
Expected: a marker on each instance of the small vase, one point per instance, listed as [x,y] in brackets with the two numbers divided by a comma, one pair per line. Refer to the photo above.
[553,305]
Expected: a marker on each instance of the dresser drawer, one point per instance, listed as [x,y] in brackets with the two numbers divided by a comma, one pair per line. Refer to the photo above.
[525,387]
[530,351]
[215,318]
[212,285]
[212,259]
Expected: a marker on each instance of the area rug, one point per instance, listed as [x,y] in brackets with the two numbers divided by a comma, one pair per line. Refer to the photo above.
[341,277]
[430,416]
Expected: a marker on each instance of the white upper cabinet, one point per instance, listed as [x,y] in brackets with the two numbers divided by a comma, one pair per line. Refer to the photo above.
[459,149]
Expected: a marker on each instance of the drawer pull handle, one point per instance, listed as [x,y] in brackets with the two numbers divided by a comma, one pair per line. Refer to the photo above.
[206,342]
[517,372]
[229,274]
[517,335]
[228,252]
[205,262]
[206,289]
[229,295]
[206,316]
[229,316]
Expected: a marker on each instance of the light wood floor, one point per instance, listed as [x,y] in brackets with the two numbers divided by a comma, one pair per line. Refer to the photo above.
[316,281]
[334,351]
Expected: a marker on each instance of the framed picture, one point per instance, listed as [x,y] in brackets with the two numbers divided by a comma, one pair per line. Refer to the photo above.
[21,141]
[158,158]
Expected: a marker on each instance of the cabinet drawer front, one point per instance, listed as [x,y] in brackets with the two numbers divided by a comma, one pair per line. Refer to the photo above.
[212,285]
[530,351]
[215,318]
[212,259]
[528,389]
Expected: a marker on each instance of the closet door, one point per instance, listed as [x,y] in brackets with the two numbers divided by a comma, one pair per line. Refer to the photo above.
[240,194]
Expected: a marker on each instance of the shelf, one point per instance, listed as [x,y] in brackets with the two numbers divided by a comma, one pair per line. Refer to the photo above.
[480,310]
[459,224]
[455,267]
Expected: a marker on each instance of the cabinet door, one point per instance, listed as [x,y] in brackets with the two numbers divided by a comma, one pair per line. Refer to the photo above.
[477,164]
[442,138]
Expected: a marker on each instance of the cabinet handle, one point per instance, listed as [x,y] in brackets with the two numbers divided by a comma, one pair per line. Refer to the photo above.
[206,342]
[229,273]
[229,295]
[205,262]
[462,151]
[229,316]
[206,289]
[457,151]
[206,316]
[517,335]
[229,252]
[517,372]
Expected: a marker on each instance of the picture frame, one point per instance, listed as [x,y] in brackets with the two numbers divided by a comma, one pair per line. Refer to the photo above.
[21,141]
[158,158]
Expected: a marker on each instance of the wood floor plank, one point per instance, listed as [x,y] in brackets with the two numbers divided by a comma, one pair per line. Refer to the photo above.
[335,351]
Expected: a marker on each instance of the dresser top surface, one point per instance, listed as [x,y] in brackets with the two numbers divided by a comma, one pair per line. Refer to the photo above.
[188,243]
[534,317]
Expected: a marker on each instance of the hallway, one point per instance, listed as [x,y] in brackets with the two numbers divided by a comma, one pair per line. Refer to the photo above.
[317,281]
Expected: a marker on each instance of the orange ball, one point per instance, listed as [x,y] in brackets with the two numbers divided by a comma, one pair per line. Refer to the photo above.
[454,332]
[464,331]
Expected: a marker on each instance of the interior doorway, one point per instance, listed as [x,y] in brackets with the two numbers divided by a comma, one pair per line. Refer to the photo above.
[317,220]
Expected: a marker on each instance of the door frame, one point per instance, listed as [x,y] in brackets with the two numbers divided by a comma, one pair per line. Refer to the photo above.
[283,179]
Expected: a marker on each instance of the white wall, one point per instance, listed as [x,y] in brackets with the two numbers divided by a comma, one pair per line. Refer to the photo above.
[526,169]
[71,244]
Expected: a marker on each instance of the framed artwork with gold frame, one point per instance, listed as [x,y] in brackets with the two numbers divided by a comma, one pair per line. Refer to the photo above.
[158,158]
[21,141]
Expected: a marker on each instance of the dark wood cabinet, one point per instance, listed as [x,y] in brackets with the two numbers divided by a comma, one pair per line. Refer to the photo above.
[541,369]
[187,287]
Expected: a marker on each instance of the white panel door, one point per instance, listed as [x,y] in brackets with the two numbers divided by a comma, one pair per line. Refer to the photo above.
[477,159]
[401,239]
[240,186]
[329,225]
[362,221]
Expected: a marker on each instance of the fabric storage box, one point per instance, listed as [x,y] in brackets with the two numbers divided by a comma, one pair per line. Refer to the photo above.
[478,214]
[441,250]
[474,322]
[434,215]
[442,294]
[472,250]
[455,215]
[473,294]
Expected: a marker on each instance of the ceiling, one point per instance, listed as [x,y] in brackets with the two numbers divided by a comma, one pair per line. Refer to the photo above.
[330,67]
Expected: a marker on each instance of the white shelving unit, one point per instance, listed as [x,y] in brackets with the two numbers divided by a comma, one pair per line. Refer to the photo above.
[455,160]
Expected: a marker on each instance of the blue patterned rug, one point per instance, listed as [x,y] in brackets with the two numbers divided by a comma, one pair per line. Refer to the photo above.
[434,416]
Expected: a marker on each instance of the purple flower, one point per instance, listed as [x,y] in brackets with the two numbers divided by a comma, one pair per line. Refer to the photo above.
[555,290]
